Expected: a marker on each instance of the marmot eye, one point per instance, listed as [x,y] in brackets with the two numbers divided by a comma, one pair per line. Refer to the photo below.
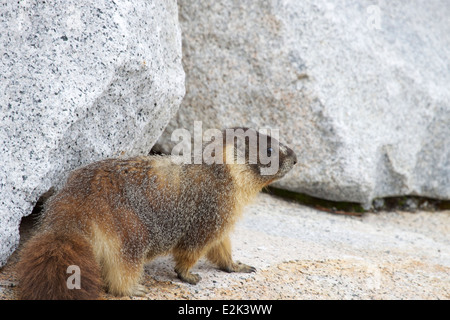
[269,152]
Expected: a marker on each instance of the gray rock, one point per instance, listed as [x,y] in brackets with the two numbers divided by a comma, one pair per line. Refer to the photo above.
[360,91]
[80,81]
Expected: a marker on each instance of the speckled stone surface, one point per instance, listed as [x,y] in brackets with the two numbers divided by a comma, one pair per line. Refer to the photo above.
[79,81]
[358,89]
[302,253]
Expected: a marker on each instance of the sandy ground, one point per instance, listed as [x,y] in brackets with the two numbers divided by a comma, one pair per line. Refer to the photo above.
[302,253]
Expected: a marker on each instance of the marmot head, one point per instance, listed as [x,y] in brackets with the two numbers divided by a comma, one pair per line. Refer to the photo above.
[263,156]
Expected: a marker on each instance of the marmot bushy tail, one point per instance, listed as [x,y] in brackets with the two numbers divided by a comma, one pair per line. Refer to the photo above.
[113,216]
[43,270]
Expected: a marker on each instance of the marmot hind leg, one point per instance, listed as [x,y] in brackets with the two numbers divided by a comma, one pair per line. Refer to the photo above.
[185,260]
[121,270]
[220,254]
[122,277]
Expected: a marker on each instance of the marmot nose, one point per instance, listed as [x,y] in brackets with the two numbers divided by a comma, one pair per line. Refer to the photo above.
[292,154]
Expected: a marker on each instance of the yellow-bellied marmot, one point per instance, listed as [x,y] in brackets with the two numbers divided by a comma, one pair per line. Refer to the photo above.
[114,215]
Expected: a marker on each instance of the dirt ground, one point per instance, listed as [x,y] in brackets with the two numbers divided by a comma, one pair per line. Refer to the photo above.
[302,253]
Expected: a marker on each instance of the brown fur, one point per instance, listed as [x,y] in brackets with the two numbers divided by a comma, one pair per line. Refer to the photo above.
[114,215]
[44,263]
